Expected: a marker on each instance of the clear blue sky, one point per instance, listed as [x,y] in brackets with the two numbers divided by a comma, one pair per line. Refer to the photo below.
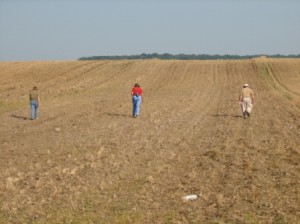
[69,29]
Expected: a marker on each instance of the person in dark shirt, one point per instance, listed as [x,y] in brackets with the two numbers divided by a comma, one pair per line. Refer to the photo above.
[137,98]
[34,99]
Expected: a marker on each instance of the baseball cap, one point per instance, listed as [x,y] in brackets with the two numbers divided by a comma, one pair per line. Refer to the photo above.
[245,85]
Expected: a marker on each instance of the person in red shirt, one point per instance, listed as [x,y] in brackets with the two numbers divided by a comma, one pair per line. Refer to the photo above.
[137,98]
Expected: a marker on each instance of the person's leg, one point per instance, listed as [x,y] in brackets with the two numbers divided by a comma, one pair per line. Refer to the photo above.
[36,110]
[32,109]
[134,100]
[250,106]
[138,105]
[244,107]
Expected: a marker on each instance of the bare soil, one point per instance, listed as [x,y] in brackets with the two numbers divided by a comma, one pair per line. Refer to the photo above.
[86,160]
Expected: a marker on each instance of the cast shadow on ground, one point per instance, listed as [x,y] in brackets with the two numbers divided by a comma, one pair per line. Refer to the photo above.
[117,115]
[227,115]
[220,115]
[20,117]
[237,116]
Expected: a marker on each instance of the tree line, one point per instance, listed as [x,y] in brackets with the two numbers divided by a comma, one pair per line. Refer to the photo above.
[167,56]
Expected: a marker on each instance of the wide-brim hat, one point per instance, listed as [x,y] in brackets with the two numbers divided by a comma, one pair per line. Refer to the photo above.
[246,85]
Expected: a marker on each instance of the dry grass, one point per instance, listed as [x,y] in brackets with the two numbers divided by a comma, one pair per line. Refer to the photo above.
[87,161]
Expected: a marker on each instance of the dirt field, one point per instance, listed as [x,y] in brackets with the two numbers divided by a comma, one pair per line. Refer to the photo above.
[86,160]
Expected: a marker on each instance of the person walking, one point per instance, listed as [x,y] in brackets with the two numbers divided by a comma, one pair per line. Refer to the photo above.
[137,98]
[246,100]
[34,99]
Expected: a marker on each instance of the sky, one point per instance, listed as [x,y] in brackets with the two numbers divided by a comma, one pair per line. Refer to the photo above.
[69,29]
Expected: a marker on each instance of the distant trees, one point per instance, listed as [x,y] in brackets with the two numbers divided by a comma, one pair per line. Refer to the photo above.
[167,56]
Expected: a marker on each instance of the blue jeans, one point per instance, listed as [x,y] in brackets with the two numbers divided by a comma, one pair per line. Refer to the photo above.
[136,102]
[34,107]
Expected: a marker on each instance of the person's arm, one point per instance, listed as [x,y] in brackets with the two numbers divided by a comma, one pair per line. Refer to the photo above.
[39,100]
[252,98]
[241,97]
[142,95]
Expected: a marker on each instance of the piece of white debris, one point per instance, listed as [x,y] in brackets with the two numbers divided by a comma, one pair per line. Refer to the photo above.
[191,197]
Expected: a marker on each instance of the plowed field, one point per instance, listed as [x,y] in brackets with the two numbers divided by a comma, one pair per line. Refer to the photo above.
[86,160]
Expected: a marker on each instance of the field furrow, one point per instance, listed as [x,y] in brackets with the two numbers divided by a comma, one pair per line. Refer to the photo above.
[86,160]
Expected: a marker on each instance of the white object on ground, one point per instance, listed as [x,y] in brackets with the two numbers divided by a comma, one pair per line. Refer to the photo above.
[191,197]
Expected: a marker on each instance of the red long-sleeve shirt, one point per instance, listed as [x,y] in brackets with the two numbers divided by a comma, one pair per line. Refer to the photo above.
[137,91]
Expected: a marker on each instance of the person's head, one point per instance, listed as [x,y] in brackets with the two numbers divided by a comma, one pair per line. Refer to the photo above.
[245,85]
[35,88]
[136,85]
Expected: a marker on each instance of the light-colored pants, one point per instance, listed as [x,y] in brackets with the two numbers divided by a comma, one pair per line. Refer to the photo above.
[246,105]
[34,107]
[136,103]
